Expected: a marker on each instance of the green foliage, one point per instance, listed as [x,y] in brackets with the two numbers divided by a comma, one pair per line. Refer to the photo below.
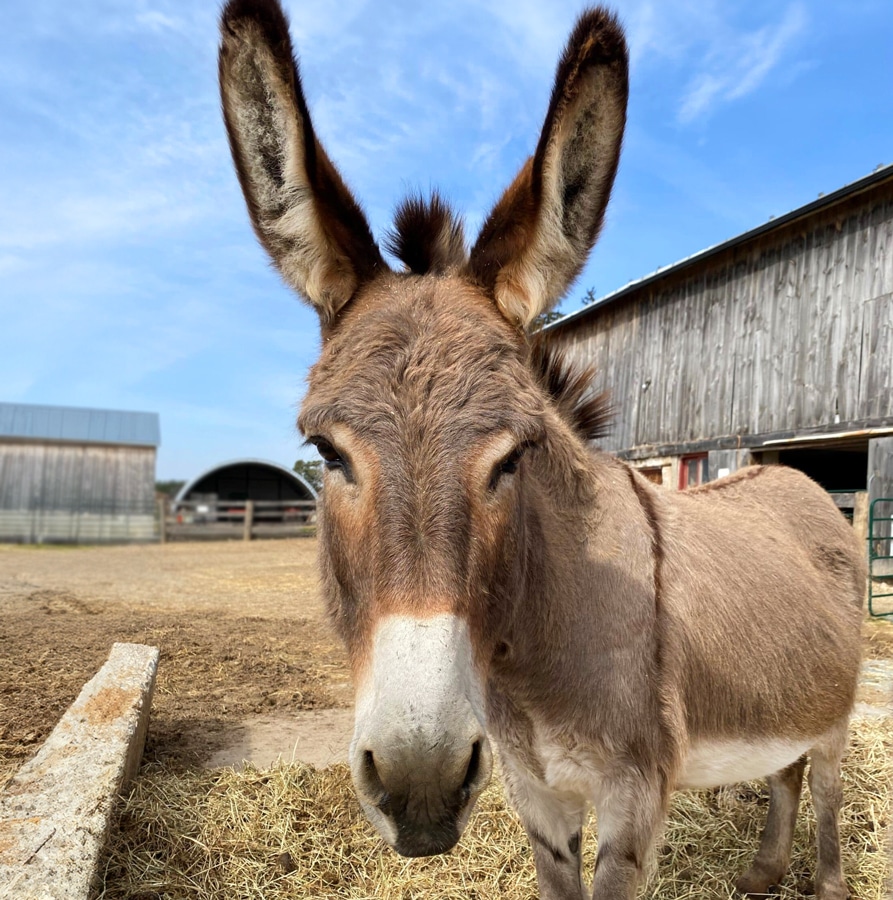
[544,319]
[169,487]
[310,471]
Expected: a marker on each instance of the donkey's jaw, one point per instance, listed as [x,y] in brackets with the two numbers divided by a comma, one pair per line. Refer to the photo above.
[420,755]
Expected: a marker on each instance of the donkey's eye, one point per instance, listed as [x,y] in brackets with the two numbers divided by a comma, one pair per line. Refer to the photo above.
[332,459]
[508,466]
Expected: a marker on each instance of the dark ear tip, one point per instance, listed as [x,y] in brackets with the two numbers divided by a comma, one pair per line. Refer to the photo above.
[267,15]
[598,37]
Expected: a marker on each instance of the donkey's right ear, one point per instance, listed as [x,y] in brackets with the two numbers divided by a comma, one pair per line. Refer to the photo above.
[301,210]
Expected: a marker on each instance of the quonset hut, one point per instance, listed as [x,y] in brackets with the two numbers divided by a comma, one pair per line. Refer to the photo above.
[70,475]
[246,479]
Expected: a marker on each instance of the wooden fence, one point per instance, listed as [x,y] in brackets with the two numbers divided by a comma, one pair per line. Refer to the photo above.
[193,520]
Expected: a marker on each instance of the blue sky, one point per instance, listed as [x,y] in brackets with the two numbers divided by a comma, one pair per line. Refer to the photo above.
[129,275]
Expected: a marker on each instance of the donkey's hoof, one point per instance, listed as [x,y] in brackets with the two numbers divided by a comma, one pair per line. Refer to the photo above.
[831,890]
[758,881]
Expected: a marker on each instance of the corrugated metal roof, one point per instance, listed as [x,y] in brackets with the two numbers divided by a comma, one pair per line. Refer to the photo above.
[879,175]
[89,426]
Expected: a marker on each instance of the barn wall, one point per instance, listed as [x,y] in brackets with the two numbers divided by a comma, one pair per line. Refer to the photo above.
[725,462]
[880,485]
[70,492]
[788,331]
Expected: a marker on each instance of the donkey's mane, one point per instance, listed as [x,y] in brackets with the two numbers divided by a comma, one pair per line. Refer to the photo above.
[427,236]
[590,414]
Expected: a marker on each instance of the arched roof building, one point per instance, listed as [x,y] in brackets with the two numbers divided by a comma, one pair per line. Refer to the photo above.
[247,479]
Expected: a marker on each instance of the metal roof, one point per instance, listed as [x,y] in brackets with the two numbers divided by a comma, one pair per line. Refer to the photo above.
[879,175]
[26,421]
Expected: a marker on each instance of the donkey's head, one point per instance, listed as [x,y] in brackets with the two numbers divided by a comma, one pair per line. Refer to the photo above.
[428,404]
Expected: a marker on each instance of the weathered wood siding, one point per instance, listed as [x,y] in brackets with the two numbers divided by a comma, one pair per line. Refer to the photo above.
[64,492]
[880,487]
[790,330]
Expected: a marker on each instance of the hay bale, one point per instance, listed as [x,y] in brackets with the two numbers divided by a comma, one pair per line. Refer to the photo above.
[292,831]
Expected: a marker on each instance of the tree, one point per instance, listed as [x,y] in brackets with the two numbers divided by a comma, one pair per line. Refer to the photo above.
[544,319]
[310,471]
[589,296]
[169,488]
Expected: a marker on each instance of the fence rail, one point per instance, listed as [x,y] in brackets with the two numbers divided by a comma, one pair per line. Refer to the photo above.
[235,519]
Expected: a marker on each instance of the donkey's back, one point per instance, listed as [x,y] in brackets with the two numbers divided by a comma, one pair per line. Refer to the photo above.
[808,555]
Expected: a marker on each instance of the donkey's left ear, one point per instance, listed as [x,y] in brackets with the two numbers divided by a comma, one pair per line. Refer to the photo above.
[535,241]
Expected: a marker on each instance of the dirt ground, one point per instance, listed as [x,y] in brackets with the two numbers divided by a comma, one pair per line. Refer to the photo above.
[249,668]
[240,627]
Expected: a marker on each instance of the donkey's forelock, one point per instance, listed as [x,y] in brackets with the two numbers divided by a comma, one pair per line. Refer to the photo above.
[428,237]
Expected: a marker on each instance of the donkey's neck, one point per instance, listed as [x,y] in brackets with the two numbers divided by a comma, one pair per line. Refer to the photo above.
[586,610]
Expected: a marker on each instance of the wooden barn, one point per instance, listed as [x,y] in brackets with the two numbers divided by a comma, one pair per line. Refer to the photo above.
[76,475]
[775,347]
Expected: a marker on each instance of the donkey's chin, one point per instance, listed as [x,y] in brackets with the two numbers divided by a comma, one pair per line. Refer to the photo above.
[414,839]
[431,841]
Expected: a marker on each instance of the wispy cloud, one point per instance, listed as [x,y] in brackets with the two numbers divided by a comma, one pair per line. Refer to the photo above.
[710,52]
[741,66]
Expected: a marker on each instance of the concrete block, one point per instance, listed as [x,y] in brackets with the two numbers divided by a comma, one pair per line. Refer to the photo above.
[55,813]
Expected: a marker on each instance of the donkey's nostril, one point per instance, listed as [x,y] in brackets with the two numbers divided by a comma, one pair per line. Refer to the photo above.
[474,765]
[374,785]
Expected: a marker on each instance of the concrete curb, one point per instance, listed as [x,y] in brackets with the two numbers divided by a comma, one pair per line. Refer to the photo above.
[55,813]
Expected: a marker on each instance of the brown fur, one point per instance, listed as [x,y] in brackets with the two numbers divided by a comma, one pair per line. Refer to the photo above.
[616,626]
[535,240]
[427,237]
[570,387]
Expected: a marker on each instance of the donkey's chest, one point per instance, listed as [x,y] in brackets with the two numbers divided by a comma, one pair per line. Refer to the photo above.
[570,765]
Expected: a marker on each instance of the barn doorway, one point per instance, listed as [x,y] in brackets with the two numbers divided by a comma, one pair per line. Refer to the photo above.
[839,465]
[834,469]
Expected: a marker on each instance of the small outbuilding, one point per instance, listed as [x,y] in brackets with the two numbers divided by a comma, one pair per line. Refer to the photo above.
[73,475]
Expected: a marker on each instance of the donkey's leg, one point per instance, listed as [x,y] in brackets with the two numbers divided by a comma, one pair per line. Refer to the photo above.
[554,823]
[774,855]
[827,797]
[631,808]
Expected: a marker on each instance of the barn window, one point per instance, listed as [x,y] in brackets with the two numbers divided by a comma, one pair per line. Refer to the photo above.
[693,471]
[655,474]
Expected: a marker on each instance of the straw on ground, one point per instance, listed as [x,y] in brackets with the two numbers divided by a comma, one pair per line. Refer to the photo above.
[293,831]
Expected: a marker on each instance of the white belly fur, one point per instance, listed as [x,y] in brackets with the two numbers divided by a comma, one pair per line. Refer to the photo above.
[712,763]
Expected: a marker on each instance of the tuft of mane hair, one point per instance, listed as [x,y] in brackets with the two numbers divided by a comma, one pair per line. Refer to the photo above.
[589,414]
[427,236]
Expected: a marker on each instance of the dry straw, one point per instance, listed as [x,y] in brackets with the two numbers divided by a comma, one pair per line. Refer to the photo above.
[293,832]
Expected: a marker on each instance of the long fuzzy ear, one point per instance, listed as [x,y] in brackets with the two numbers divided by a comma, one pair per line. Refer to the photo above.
[537,238]
[301,210]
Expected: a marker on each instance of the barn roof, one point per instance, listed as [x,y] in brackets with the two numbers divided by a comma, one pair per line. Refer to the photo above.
[26,421]
[878,176]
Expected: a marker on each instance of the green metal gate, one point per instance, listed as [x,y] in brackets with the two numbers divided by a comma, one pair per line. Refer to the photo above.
[880,555]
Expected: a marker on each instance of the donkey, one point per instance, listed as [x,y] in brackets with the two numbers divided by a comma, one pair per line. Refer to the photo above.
[494,577]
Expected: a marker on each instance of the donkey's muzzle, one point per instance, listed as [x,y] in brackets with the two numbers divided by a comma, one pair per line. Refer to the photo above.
[420,797]
[420,755]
